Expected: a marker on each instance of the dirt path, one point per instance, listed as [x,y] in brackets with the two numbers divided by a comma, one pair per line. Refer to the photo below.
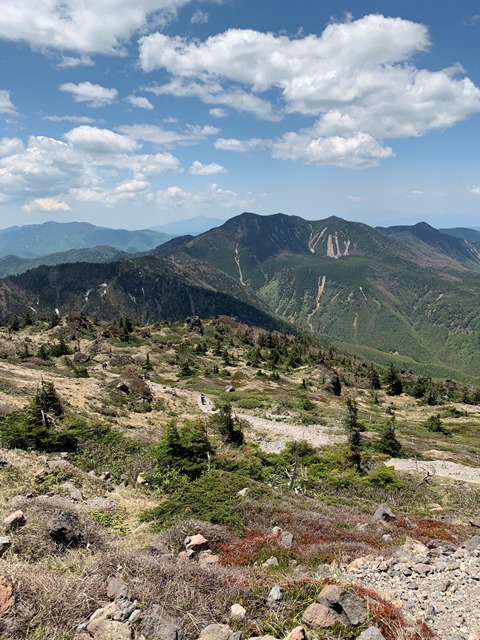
[273,435]
[440,468]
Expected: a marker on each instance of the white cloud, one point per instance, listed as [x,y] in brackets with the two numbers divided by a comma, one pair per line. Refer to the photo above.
[86,27]
[199,169]
[141,102]
[74,119]
[93,94]
[99,141]
[157,135]
[353,198]
[211,197]
[416,193]
[70,62]
[218,112]
[95,164]
[213,93]
[46,204]
[357,79]
[6,105]
[127,190]
[240,146]
[199,17]
[358,151]
[475,190]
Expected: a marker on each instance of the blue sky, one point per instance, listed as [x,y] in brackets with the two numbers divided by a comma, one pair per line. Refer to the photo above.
[132,113]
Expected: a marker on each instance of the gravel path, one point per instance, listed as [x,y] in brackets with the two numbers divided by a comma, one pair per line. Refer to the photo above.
[440,468]
[273,435]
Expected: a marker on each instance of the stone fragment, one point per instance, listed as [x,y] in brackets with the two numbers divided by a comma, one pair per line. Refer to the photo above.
[5,543]
[14,520]
[116,588]
[299,633]
[159,625]
[383,514]
[372,633]
[196,543]
[216,632]
[7,598]
[286,539]
[141,480]
[472,544]
[244,492]
[73,491]
[104,629]
[271,562]
[237,612]
[65,529]
[207,558]
[275,596]
[319,614]
[100,503]
[59,464]
[345,602]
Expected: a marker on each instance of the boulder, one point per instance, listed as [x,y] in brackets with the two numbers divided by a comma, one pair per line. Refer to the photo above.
[15,520]
[207,558]
[320,615]
[73,491]
[196,543]
[104,629]
[383,515]
[160,625]
[65,529]
[349,607]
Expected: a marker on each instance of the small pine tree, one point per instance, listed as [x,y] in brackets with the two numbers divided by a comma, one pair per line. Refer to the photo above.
[389,443]
[355,443]
[393,381]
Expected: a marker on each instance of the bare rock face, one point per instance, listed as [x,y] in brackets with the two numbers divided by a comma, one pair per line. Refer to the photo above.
[218,632]
[299,633]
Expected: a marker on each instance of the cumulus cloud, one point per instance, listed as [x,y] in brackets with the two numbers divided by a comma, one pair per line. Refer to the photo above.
[358,151]
[6,105]
[99,141]
[46,204]
[199,169]
[158,135]
[140,101]
[87,27]
[93,94]
[211,197]
[475,190]
[240,146]
[91,164]
[357,80]
[354,198]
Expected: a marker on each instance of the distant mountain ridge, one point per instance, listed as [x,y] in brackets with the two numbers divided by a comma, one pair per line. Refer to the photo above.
[33,241]
[190,226]
[408,292]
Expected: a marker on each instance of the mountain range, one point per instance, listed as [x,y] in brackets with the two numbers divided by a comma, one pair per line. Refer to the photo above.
[405,293]
[35,240]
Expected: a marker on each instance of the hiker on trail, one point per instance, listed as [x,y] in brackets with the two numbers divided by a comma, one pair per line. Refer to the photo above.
[202,398]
